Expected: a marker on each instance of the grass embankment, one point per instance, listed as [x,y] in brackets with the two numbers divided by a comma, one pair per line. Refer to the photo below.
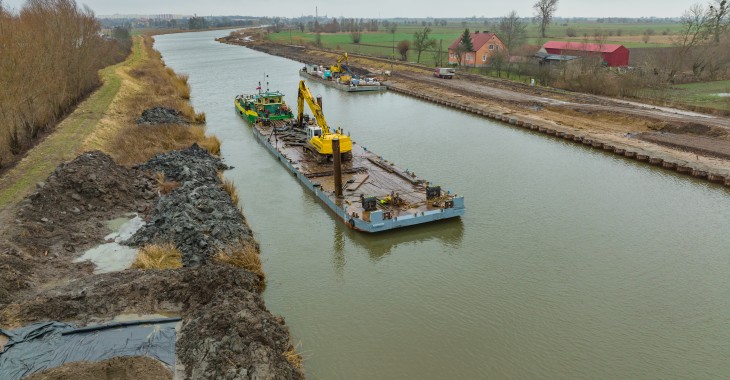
[66,141]
[149,84]
[105,121]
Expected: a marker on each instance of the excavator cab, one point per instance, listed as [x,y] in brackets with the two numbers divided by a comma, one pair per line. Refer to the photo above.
[313,131]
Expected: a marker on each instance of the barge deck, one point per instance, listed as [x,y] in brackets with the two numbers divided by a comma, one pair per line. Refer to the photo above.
[341,86]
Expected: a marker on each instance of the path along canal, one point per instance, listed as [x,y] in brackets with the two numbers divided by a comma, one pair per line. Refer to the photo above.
[570,262]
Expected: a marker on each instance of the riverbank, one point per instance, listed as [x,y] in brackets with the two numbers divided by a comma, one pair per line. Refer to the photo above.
[146,154]
[688,142]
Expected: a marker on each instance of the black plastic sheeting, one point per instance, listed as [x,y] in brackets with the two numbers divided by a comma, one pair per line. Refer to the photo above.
[45,345]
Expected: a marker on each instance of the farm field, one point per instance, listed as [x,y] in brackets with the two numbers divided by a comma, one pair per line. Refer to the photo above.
[381,43]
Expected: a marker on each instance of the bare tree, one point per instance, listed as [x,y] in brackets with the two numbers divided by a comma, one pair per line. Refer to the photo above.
[403,48]
[544,11]
[391,29]
[694,30]
[438,54]
[421,42]
[719,20]
[512,30]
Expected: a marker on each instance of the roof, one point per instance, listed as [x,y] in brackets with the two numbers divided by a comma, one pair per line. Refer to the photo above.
[478,39]
[582,46]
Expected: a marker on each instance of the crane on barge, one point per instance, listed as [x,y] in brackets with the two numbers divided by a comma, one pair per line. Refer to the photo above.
[319,136]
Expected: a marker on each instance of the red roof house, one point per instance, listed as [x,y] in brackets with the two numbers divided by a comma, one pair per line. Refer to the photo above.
[484,46]
[613,55]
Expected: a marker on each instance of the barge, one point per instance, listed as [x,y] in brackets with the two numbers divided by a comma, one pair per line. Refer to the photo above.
[376,195]
[347,83]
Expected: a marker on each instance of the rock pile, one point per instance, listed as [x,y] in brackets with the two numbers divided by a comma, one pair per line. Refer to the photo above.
[198,217]
[161,115]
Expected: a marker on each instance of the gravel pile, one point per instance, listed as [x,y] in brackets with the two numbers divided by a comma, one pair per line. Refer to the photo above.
[198,217]
[161,115]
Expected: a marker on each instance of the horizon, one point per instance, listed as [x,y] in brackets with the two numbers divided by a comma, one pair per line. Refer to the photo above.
[379,9]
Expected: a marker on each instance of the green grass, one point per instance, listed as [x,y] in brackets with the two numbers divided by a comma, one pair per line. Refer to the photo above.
[702,94]
[381,43]
[63,143]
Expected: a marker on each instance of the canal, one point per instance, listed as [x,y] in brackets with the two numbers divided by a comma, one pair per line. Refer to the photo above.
[570,263]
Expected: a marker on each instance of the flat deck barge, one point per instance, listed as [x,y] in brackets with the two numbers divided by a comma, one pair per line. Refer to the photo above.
[377,195]
[342,86]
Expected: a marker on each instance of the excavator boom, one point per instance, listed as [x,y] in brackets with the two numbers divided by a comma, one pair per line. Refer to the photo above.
[306,95]
[319,136]
[338,68]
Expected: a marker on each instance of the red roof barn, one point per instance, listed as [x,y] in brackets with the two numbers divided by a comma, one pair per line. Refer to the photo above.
[613,55]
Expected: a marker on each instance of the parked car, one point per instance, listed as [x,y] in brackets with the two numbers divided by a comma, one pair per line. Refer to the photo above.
[444,72]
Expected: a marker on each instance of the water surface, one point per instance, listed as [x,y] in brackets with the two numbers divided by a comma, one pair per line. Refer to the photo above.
[569,262]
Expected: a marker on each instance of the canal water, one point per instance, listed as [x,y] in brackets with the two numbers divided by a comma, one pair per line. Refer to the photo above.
[570,263]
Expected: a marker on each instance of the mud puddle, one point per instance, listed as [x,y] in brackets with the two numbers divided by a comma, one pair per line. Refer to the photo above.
[113,256]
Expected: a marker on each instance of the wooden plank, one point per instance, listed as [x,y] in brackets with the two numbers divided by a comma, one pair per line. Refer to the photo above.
[358,180]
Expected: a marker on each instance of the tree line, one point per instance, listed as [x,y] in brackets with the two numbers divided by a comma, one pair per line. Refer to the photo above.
[51,51]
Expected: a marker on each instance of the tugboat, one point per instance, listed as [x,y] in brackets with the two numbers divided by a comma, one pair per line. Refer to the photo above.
[264,106]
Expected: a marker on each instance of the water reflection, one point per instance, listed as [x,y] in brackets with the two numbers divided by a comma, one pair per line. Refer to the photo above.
[448,232]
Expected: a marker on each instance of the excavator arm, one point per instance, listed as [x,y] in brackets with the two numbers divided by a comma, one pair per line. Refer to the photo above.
[306,95]
[338,67]
[319,137]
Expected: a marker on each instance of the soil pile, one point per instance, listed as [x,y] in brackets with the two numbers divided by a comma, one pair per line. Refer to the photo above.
[121,368]
[198,217]
[228,333]
[161,115]
[68,208]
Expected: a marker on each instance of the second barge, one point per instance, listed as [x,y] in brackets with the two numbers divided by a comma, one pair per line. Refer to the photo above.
[376,195]
[349,84]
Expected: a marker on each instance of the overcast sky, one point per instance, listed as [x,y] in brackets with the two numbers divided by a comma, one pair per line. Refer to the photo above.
[384,8]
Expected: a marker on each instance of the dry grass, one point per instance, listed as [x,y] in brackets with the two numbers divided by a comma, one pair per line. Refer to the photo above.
[139,143]
[151,84]
[293,357]
[243,254]
[230,188]
[165,187]
[158,256]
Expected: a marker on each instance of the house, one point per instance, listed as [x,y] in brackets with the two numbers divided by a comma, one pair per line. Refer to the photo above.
[612,55]
[484,46]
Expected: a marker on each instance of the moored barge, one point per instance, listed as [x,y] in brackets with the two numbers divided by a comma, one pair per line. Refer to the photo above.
[376,195]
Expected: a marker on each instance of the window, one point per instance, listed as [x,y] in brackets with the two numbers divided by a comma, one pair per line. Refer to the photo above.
[491,47]
[484,58]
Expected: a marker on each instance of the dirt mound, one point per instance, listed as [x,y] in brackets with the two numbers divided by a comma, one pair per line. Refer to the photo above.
[198,217]
[121,368]
[161,115]
[227,331]
[68,209]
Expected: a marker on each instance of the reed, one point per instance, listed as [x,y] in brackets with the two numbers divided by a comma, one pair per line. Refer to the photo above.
[243,254]
[158,256]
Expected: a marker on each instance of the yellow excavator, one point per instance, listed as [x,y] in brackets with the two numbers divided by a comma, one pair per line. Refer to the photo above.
[338,67]
[319,137]
[341,71]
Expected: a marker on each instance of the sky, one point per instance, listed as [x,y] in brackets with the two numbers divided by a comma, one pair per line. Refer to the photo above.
[383,8]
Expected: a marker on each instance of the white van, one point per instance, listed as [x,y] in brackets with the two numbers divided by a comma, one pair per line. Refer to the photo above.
[444,72]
